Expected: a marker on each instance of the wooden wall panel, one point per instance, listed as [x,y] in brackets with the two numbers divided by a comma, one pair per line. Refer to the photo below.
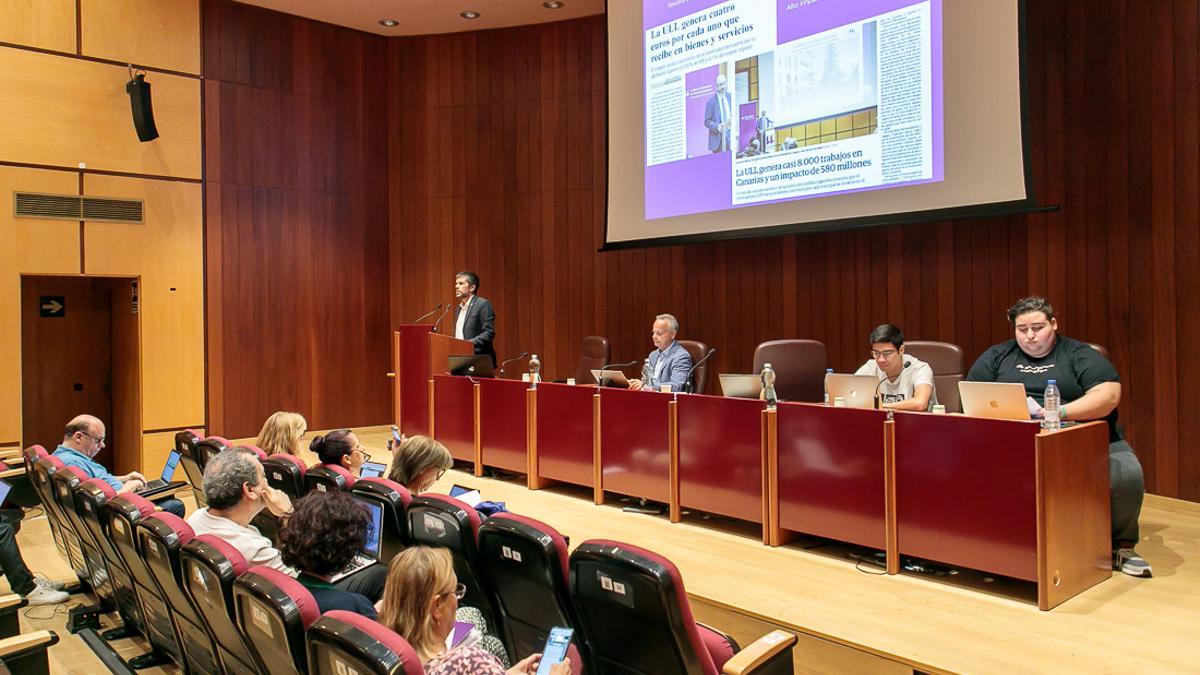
[60,111]
[165,252]
[44,24]
[496,147]
[297,221]
[159,33]
[30,246]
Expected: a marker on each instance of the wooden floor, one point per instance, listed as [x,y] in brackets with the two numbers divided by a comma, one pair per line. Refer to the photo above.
[851,619]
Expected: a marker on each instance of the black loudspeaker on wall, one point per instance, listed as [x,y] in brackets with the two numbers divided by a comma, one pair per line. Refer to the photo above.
[139,103]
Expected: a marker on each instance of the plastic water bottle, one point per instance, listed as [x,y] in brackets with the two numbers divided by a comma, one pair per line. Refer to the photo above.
[535,371]
[1050,405]
[828,372]
[647,374]
[768,383]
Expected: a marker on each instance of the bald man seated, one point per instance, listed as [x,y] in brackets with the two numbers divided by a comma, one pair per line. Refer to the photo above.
[82,441]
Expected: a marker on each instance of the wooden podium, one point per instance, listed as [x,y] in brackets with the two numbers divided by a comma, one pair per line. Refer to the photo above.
[417,354]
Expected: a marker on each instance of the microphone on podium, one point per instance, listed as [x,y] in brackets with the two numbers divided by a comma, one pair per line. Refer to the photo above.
[440,317]
[688,384]
[428,314]
[877,402]
[500,371]
[612,365]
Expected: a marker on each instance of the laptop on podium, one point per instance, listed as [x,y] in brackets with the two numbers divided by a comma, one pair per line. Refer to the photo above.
[994,400]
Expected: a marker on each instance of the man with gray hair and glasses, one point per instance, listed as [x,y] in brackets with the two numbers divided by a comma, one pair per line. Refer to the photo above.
[236,489]
[669,362]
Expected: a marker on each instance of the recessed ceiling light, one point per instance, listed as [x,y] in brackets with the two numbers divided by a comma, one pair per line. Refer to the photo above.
[390,23]
[469,14]
[552,4]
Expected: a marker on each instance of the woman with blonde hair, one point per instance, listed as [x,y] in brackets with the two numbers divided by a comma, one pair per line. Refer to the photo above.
[418,463]
[281,433]
[420,602]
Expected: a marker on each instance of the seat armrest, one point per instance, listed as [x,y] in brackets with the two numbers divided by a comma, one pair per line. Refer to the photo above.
[13,473]
[761,653]
[27,642]
[12,600]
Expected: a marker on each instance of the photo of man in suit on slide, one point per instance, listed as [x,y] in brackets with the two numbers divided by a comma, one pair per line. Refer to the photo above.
[474,318]
[718,117]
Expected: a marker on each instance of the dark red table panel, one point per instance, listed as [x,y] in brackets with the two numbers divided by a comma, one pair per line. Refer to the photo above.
[635,444]
[831,472]
[965,492]
[503,423]
[454,415]
[720,455]
[564,432]
[412,379]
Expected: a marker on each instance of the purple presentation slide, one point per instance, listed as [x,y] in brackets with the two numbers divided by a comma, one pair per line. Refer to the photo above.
[808,65]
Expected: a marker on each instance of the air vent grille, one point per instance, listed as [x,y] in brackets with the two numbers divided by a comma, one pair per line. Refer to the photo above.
[72,207]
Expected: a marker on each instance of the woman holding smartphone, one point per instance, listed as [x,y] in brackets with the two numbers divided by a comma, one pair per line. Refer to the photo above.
[420,602]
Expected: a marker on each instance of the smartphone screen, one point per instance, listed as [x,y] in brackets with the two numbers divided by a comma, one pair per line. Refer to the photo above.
[556,648]
[396,435]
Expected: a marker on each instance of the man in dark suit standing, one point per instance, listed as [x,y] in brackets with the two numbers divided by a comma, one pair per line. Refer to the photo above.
[474,318]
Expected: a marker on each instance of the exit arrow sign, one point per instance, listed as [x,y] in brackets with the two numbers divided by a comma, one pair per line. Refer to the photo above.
[53,306]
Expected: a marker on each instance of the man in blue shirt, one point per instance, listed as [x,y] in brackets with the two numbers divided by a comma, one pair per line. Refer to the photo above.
[82,440]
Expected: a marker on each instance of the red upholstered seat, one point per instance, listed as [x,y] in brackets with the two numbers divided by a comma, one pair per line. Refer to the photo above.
[210,566]
[259,452]
[445,522]
[345,636]
[286,472]
[273,611]
[393,498]
[91,498]
[328,478]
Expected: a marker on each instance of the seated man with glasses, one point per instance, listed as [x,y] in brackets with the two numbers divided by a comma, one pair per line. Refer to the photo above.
[906,382]
[82,441]
[669,363]
[237,491]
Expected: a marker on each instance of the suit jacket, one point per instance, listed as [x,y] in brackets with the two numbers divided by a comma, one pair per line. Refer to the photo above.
[713,117]
[676,364]
[480,325]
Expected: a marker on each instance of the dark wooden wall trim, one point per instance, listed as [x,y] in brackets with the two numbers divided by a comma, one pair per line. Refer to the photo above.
[297,220]
[497,164]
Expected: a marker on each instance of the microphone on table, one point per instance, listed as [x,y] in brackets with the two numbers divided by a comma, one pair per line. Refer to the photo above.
[610,365]
[688,384]
[439,319]
[428,314]
[885,379]
[500,371]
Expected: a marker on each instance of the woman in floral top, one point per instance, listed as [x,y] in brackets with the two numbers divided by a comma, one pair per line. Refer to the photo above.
[419,603]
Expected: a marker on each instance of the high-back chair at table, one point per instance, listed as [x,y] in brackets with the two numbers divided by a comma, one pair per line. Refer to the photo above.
[946,361]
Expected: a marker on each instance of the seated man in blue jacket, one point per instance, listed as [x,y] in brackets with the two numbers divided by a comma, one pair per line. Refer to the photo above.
[669,362]
[82,440]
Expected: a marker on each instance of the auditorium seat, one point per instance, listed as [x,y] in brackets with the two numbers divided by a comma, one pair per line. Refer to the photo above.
[41,485]
[525,563]
[946,360]
[394,498]
[208,447]
[697,350]
[125,513]
[43,477]
[25,654]
[161,536]
[258,452]
[1102,349]
[636,618]
[86,566]
[445,522]
[594,354]
[342,642]
[210,566]
[273,610]
[328,478]
[185,445]
[91,499]
[799,367]
[286,473]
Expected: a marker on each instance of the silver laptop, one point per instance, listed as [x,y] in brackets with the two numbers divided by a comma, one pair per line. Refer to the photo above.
[610,378]
[741,386]
[856,391]
[996,400]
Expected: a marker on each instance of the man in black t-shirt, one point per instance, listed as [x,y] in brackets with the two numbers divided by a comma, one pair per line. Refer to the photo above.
[1090,389]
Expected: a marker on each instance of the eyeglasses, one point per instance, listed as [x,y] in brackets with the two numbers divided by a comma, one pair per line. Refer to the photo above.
[460,591]
[366,457]
[885,354]
[98,439]
[440,473]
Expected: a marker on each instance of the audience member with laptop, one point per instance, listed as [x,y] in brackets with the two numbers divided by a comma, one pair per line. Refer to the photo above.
[1090,390]
[325,534]
[82,441]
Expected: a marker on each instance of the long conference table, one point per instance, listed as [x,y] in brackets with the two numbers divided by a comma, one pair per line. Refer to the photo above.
[998,496]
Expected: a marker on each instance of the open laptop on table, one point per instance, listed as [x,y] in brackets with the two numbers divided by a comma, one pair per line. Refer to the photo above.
[741,386]
[163,483]
[610,378]
[995,400]
[475,365]
[857,391]
[369,555]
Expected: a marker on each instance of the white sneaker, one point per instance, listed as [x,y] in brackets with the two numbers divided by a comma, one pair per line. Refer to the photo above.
[43,582]
[46,596]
